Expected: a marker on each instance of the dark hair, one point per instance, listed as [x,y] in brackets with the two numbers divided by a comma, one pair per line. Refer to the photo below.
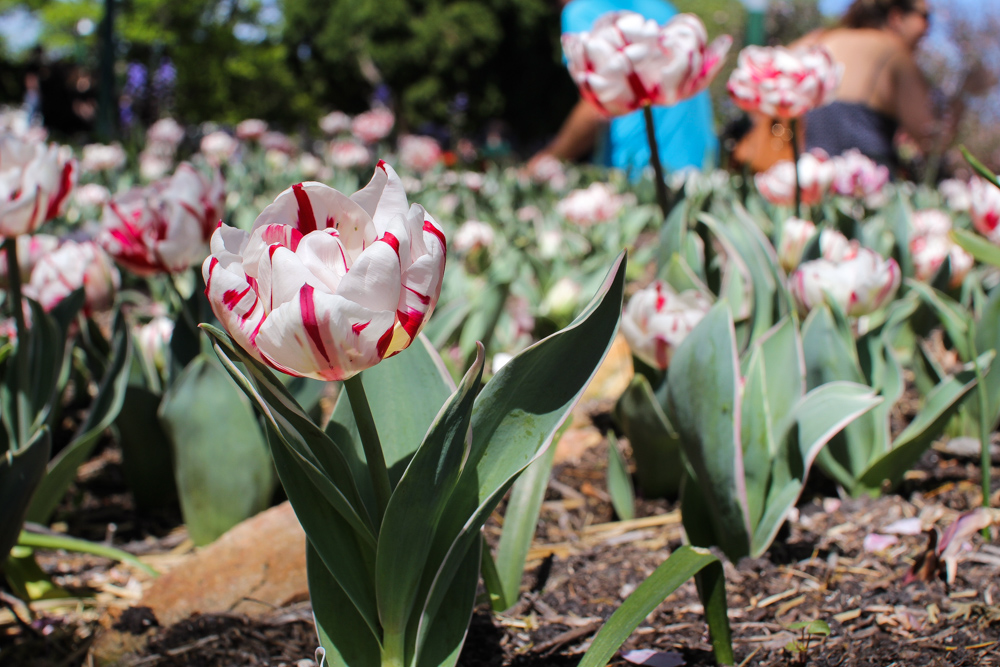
[874,13]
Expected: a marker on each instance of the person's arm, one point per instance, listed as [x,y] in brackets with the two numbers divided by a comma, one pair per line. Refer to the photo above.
[577,135]
[914,109]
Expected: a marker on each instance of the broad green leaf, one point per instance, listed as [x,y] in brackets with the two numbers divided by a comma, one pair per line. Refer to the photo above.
[516,416]
[147,459]
[321,459]
[949,312]
[417,504]
[980,248]
[655,444]
[678,274]
[673,233]
[27,580]
[106,406]
[703,390]
[682,564]
[346,555]
[910,445]
[619,482]
[812,422]
[830,355]
[988,338]
[343,633]
[519,521]
[405,393]
[483,317]
[223,471]
[443,642]
[757,436]
[20,474]
[898,218]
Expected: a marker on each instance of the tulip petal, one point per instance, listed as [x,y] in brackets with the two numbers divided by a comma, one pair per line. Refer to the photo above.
[374,281]
[383,198]
[323,336]
[234,303]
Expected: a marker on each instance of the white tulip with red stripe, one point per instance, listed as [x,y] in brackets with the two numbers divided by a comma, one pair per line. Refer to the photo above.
[784,83]
[628,61]
[984,207]
[35,182]
[658,319]
[164,228]
[72,266]
[325,285]
[860,283]
[795,234]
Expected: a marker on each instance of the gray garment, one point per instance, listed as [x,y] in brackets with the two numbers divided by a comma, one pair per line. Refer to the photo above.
[838,126]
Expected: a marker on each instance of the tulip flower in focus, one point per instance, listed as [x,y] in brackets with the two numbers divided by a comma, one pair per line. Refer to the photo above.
[783,83]
[35,183]
[628,61]
[984,207]
[795,234]
[164,228]
[777,184]
[72,266]
[326,285]
[859,283]
[657,319]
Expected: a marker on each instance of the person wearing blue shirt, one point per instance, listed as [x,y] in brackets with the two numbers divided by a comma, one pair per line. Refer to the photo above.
[684,132]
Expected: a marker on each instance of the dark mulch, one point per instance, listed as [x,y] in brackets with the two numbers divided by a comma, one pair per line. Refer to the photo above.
[581,567]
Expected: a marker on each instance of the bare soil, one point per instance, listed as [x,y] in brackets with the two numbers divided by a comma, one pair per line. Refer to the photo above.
[582,565]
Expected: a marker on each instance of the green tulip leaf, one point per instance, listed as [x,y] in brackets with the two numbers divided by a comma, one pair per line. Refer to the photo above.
[704,401]
[655,444]
[110,396]
[221,463]
[20,474]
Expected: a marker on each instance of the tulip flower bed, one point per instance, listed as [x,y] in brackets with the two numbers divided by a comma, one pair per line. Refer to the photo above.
[403,352]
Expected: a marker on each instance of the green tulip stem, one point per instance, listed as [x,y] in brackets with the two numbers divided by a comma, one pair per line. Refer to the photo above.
[21,360]
[793,125]
[370,441]
[984,428]
[185,311]
[654,159]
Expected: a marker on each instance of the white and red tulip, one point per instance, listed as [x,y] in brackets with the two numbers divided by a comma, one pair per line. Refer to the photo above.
[35,183]
[628,61]
[795,234]
[166,132]
[218,147]
[956,194]
[30,249]
[373,125]
[325,285]
[783,83]
[597,203]
[859,284]
[335,123]
[777,184]
[69,267]
[419,153]
[165,227]
[857,175]
[349,154]
[102,157]
[251,129]
[930,245]
[657,319]
[473,234]
[984,207]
